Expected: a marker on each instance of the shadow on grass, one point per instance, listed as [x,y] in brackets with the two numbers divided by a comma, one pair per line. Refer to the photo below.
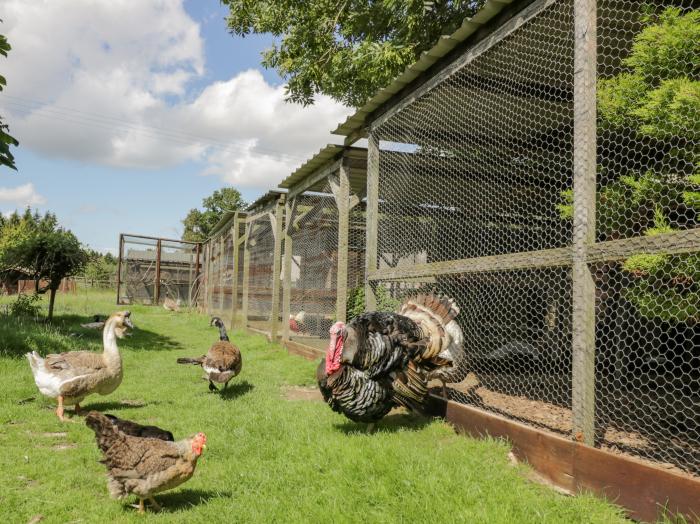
[188,498]
[19,335]
[111,405]
[236,390]
[390,424]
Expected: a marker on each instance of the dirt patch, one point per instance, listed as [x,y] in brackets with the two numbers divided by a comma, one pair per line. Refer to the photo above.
[58,434]
[649,448]
[27,482]
[63,447]
[132,403]
[301,393]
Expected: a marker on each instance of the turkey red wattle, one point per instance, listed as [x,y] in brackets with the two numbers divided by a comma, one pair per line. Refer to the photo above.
[335,348]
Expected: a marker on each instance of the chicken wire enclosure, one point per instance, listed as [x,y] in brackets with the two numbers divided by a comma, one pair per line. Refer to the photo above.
[261,302]
[225,270]
[153,269]
[324,243]
[568,236]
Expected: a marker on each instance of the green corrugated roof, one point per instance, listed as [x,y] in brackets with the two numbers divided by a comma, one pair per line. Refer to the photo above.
[325,156]
[446,44]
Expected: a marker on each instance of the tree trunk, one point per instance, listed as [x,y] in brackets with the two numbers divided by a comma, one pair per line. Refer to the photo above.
[52,299]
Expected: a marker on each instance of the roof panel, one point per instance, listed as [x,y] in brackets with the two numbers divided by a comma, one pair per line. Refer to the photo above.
[443,46]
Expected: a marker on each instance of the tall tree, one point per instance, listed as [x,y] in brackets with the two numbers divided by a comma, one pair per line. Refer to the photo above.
[6,157]
[199,223]
[347,49]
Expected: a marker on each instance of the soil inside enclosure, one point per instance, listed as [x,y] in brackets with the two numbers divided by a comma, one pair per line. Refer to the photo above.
[651,448]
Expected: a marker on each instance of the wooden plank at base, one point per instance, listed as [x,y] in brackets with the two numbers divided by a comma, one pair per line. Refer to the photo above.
[550,455]
[643,489]
[308,352]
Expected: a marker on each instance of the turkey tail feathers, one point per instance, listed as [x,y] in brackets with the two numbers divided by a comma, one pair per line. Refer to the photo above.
[197,361]
[439,305]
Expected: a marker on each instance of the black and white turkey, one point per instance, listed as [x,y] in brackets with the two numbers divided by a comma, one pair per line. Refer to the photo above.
[382,360]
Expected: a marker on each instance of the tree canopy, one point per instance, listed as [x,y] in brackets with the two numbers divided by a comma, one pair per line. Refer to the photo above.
[655,106]
[200,223]
[346,50]
[6,157]
[35,247]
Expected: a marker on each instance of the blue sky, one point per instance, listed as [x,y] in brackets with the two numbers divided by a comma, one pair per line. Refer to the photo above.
[128,117]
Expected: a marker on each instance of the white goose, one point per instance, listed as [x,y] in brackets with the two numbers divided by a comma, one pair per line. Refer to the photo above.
[70,377]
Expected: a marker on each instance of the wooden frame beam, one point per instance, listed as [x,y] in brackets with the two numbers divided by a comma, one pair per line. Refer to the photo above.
[277,226]
[235,234]
[289,208]
[583,285]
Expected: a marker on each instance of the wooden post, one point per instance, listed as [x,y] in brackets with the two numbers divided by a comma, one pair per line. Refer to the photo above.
[287,268]
[119,268]
[235,234]
[372,218]
[246,273]
[276,267]
[207,275]
[196,274]
[583,336]
[156,290]
[343,203]
[222,271]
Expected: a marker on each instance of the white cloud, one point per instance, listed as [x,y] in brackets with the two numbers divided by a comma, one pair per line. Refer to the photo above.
[21,196]
[116,76]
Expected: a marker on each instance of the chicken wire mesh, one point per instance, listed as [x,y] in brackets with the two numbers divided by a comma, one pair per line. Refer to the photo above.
[149,277]
[478,203]
[314,233]
[260,247]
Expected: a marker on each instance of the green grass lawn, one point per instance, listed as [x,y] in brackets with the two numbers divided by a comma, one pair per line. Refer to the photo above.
[268,459]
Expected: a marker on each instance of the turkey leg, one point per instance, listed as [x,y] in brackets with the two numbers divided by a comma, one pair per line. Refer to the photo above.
[155,505]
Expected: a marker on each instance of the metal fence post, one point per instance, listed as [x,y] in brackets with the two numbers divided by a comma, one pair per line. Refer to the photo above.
[584,223]
[343,203]
[276,267]
[287,269]
[372,218]
[156,290]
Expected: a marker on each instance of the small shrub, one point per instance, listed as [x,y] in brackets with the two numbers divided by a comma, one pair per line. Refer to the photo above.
[25,306]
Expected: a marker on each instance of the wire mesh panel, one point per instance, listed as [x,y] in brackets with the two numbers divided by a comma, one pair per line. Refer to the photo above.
[153,270]
[261,253]
[484,179]
[647,316]
[138,269]
[314,275]
[475,198]
[178,272]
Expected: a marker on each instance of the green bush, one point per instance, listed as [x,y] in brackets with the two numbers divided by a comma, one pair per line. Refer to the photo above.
[656,103]
[25,306]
